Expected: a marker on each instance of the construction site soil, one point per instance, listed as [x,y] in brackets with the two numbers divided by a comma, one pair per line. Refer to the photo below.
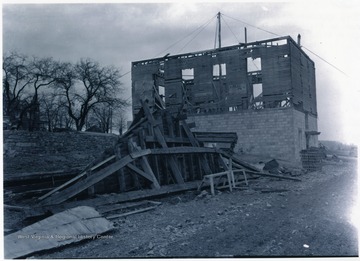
[314,217]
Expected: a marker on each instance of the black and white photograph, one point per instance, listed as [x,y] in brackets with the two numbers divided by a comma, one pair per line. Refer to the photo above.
[180,129]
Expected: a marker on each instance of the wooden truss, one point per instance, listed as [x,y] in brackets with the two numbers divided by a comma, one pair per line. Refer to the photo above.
[158,149]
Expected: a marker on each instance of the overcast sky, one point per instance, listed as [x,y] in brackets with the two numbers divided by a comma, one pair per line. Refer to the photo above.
[119,33]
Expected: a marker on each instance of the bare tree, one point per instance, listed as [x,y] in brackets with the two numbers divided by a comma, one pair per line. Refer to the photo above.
[23,78]
[54,113]
[44,72]
[101,116]
[120,121]
[85,86]
[17,78]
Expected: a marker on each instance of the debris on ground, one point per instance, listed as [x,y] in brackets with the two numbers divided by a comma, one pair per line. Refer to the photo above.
[64,228]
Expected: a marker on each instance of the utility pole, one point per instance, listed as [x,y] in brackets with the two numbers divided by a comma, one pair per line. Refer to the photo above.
[245,35]
[219,32]
[219,37]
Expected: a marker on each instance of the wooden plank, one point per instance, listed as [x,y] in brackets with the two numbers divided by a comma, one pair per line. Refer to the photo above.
[129,131]
[61,229]
[91,189]
[146,167]
[137,154]
[76,178]
[182,150]
[270,175]
[169,140]
[16,208]
[103,173]
[237,160]
[120,173]
[125,197]
[172,162]
[159,136]
[85,183]
[195,143]
[131,212]
[39,175]
[140,172]
[222,162]
[112,207]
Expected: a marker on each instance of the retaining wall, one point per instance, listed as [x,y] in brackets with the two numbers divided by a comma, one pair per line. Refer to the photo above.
[28,152]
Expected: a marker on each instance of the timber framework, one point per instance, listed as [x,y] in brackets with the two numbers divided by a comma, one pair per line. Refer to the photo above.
[236,88]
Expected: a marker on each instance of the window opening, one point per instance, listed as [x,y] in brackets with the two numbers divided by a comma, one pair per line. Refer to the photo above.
[253,64]
[188,74]
[162,92]
[257,89]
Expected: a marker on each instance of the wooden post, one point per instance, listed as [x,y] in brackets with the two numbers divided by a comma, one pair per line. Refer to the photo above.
[120,172]
[145,166]
[231,173]
[195,143]
[246,181]
[160,138]
[212,185]
[91,189]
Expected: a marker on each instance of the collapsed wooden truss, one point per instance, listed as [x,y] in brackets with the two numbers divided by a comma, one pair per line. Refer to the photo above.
[158,149]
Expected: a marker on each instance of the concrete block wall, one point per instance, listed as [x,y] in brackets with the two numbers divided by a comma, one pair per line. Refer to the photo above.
[300,127]
[270,132]
[28,152]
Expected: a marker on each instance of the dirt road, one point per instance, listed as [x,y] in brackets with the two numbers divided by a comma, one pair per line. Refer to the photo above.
[312,218]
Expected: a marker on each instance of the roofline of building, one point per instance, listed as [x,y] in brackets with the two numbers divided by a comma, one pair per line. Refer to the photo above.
[241,46]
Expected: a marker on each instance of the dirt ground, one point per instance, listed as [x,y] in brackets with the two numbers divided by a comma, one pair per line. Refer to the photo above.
[314,217]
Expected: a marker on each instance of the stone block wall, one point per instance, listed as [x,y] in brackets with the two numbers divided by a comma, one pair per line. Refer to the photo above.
[270,132]
[29,152]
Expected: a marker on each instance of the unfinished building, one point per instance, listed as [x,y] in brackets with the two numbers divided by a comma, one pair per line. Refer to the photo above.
[264,91]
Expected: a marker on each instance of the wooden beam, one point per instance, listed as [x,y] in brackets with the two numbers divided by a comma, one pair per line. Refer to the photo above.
[120,174]
[159,136]
[238,161]
[182,150]
[114,207]
[131,212]
[39,175]
[87,182]
[195,143]
[268,175]
[146,166]
[149,177]
[115,198]
[76,178]
[168,140]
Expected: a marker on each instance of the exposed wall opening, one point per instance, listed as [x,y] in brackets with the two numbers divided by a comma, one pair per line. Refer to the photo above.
[219,70]
[162,92]
[187,74]
[257,89]
[253,64]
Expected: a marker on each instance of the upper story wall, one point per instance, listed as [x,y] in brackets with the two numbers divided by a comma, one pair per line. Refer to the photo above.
[229,78]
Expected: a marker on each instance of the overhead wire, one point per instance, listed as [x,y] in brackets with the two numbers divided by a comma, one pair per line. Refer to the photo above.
[251,25]
[203,27]
[318,56]
[216,34]
[237,39]
[183,38]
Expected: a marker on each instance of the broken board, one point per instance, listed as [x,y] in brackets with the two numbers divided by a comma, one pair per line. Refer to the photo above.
[72,225]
